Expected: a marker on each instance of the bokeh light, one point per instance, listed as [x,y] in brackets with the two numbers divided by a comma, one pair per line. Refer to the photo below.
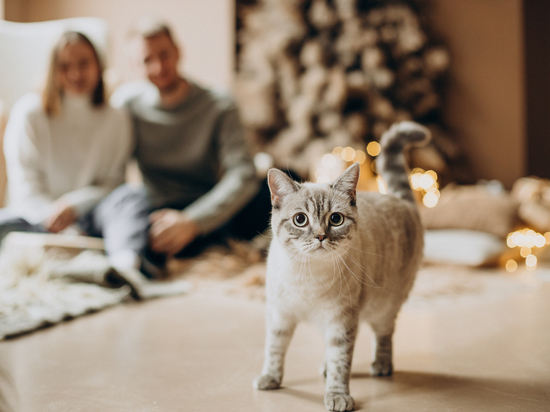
[511,265]
[373,148]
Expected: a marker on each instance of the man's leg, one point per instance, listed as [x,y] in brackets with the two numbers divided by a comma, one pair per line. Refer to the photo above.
[122,219]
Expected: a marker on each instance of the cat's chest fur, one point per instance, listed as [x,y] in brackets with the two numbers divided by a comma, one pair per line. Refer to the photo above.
[309,288]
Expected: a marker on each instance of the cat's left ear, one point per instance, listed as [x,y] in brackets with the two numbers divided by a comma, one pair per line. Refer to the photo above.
[347,182]
[280,186]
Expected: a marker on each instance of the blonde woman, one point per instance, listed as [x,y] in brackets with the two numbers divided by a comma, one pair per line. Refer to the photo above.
[66,150]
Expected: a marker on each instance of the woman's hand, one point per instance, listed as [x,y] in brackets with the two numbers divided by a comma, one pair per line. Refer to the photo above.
[62,217]
[171,231]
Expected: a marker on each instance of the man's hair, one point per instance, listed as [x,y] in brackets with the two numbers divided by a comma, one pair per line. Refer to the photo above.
[51,94]
[149,28]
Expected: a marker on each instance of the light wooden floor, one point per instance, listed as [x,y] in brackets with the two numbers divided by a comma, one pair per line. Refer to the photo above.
[200,353]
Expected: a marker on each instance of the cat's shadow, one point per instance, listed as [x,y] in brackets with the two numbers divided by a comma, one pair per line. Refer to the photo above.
[434,389]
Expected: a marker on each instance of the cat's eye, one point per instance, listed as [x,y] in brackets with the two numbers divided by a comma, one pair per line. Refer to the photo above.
[300,219]
[336,219]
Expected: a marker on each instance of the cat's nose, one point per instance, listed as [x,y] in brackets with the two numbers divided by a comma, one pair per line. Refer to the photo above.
[321,237]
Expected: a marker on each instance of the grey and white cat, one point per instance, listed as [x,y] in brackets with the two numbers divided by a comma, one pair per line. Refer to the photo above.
[339,257]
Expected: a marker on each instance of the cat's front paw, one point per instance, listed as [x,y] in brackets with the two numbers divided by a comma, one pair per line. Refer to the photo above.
[339,402]
[266,382]
[382,367]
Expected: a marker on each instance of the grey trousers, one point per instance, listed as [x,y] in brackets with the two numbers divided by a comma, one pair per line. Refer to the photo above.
[121,219]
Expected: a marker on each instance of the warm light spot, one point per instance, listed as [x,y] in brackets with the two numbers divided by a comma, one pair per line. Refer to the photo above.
[426,181]
[323,179]
[360,156]
[417,170]
[547,237]
[328,161]
[430,199]
[510,241]
[530,238]
[511,265]
[434,191]
[415,181]
[348,154]
[531,261]
[373,148]
[520,239]
[337,151]
[540,240]
[382,188]
[432,174]
[525,251]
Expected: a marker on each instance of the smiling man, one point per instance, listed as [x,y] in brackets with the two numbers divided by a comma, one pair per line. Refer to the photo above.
[197,171]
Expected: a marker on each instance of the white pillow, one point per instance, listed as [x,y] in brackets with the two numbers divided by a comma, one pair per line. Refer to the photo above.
[462,247]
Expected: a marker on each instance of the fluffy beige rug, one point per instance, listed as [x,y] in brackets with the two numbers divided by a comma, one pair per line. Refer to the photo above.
[35,293]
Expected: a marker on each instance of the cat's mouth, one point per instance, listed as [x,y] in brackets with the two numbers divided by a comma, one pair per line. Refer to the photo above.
[320,247]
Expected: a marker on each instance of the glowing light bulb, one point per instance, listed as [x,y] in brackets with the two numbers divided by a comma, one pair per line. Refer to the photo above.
[432,174]
[531,261]
[430,199]
[525,251]
[360,156]
[348,154]
[373,148]
[426,181]
[511,265]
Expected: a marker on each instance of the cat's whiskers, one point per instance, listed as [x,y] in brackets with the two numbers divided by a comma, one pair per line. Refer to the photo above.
[356,277]
[350,256]
[367,253]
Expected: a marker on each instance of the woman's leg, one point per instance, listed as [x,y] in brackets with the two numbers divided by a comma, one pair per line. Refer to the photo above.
[10,222]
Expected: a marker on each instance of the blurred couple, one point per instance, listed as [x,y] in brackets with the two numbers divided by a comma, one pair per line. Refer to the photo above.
[67,150]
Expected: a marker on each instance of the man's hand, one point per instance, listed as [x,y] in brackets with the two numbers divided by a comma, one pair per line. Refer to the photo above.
[62,217]
[171,231]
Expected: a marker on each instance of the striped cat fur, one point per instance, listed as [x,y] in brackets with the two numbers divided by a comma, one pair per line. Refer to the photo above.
[339,258]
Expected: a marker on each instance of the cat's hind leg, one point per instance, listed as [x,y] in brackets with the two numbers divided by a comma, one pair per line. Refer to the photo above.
[279,332]
[383,364]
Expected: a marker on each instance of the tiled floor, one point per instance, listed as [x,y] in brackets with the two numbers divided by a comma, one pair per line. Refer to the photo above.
[200,353]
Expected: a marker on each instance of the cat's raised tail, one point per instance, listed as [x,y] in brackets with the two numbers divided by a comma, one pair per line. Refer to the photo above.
[391,164]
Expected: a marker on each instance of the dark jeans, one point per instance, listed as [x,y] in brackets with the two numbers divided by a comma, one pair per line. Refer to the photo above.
[251,221]
[122,220]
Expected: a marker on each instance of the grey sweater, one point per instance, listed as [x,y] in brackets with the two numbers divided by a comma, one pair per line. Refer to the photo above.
[193,156]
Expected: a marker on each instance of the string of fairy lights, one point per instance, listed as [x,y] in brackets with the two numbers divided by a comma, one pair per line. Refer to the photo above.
[425,183]
[527,241]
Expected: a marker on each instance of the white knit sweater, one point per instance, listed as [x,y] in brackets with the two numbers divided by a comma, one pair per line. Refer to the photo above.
[79,156]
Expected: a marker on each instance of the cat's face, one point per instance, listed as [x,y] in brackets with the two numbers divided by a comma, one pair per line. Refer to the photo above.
[314,219]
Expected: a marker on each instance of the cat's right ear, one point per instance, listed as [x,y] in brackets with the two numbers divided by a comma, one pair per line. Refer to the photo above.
[280,186]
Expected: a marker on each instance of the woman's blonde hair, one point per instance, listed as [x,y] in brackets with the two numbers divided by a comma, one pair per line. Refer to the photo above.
[51,94]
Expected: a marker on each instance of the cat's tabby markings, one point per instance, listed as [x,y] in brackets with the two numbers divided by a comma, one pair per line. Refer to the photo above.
[339,257]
